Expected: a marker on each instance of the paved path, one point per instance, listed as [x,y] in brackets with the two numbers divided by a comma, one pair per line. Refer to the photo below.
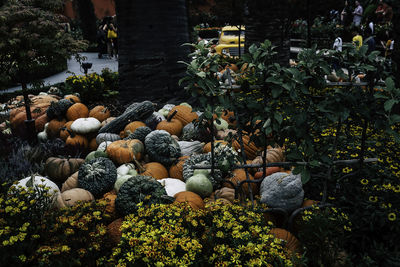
[74,67]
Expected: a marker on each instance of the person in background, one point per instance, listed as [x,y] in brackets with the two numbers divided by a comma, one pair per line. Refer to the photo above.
[357,14]
[338,46]
[384,12]
[101,40]
[370,41]
[389,46]
[108,28]
[357,39]
[344,15]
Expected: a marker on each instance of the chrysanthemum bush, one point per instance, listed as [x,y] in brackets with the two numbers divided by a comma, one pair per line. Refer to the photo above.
[32,232]
[220,235]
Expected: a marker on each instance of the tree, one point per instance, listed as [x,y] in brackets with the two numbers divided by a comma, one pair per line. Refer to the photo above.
[32,37]
[151,34]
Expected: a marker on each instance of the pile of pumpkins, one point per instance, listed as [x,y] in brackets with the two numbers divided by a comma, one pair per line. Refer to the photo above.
[141,141]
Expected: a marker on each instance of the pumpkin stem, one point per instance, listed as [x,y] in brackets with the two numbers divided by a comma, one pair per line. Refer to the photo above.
[31,181]
[169,118]
[71,133]
[138,165]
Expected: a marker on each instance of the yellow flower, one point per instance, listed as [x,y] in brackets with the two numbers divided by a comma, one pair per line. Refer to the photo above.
[364,181]
[392,216]
[373,198]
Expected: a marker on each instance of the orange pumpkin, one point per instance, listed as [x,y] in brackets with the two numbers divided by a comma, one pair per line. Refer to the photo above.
[124,151]
[131,127]
[239,175]
[40,122]
[54,127]
[250,149]
[293,245]
[156,170]
[73,98]
[309,202]
[64,131]
[268,171]
[207,147]
[76,111]
[77,141]
[100,112]
[184,114]
[114,231]
[110,198]
[173,126]
[193,199]
[93,144]
[176,170]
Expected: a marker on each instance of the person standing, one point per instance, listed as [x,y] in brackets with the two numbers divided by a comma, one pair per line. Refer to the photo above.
[357,14]
[101,41]
[338,44]
[357,39]
[111,33]
[370,41]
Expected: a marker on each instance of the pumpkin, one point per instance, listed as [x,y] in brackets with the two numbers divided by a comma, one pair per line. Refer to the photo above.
[126,168]
[110,198]
[103,145]
[93,144]
[172,126]
[273,155]
[140,133]
[64,131]
[309,202]
[131,127]
[42,136]
[135,112]
[226,193]
[238,176]
[95,154]
[71,197]
[58,109]
[220,124]
[268,171]
[184,114]
[76,111]
[73,98]
[155,170]
[173,186]
[114,231]
[207,147]
[100,112]
[97,176]
[71,182]
[77,141]
[85,125]
[250,148]
[40,122]
[123,151]
[153,120]
[193,199]
[292,244]
[121,179]
[161,147]
[59,169]
[200,185]
[228,116]
[107,137]
[36,180]
[53,128]
[188,148]
[176,170]
[108,120]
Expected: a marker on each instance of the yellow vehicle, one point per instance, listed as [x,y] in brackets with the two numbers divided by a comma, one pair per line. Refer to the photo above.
[228,43]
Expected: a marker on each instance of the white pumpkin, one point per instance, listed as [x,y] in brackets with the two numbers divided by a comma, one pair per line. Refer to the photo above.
[85,125]
[36,180]
[103,146]
[124,169]
[173,186]
[42,136]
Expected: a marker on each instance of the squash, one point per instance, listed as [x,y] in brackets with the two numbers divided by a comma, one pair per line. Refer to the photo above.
[64,131]
[123,151]
[172,186]
[155,170]
[76,111]
[226,193]
[184,114]
[73,98]
[171,125]
[200,185]
[54,126]
[136,112]
[95,154]
[36,180]
[176,170]
[59,169]
[238,176]
[71,182]
[121,179]
[108,120]
[97,176]
[250,148]
[126,168]
[132,126]
[92,146]
[42,136]
[292,244]
[57,110]
[268,171]
[107,137]
[140,133]
[103,146]
[207,147]
[193,199]
[273,155]
[114,231]
[85,126]
[189,148]
[220,124]
[110,206]
[100,112]
[161,147]
[71,197]
[77,141]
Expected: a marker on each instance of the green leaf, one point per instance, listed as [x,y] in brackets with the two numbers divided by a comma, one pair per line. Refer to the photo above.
[389,104]
[314,163]
[201,74]
[305,176]
[276,91]
[394,118]
[278,117]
